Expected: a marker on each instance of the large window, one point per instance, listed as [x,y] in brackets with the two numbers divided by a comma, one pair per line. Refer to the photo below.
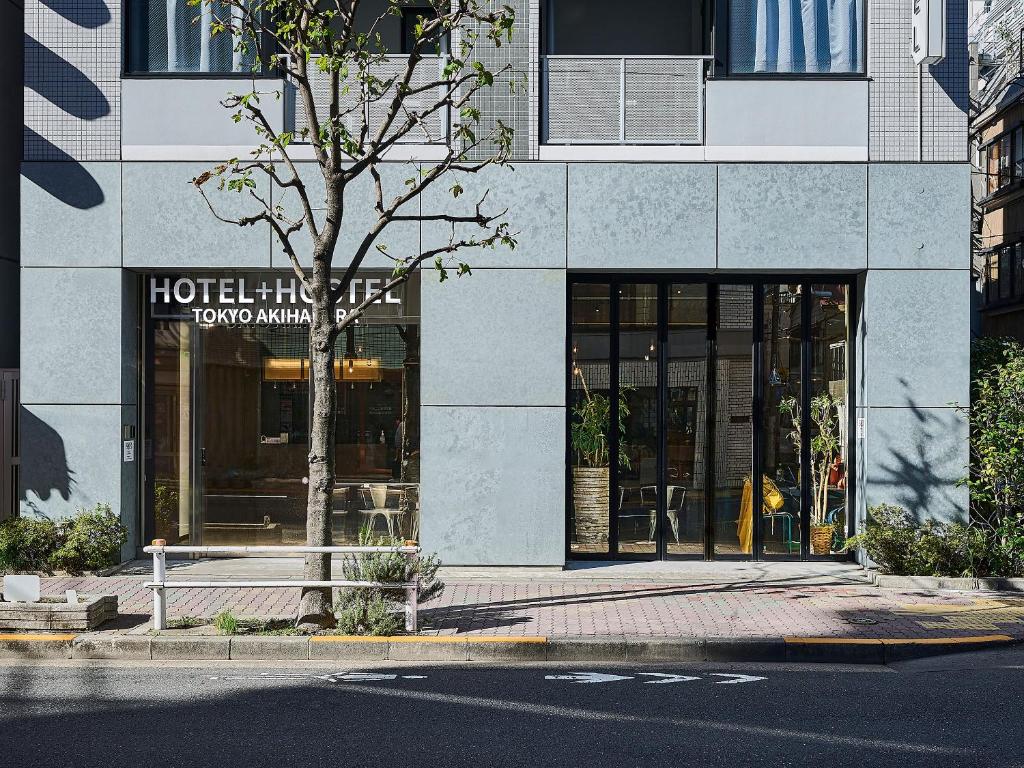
[173,36]
[607,28]
[796,36]
[228,400]
[708,420]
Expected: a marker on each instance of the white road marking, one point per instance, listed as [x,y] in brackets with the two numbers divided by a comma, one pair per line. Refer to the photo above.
[588,677]
[332,677]
[667,678]
[738,678]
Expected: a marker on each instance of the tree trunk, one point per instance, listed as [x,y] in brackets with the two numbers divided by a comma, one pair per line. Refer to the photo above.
[315,608]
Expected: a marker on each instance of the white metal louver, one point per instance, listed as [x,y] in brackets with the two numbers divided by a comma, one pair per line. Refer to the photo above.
[624,100]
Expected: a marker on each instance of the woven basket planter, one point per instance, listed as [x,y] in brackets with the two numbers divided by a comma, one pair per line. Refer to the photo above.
[821,539]
[590,503]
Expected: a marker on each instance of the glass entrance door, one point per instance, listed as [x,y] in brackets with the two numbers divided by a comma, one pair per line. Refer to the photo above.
[681,394]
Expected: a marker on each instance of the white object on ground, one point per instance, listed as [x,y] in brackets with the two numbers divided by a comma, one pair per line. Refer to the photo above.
[21,589]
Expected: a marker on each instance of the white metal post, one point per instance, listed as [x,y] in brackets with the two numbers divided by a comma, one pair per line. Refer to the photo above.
[159,603]
[412,594]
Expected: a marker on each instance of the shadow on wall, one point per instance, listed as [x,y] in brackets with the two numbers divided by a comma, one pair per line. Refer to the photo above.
[44,467]
[63,84]
[910,478]
[949,73]
[67,180]
[85,14]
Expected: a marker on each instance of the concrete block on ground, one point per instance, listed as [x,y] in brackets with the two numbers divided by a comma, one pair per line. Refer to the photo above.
[104,646]
[57,613]
[745,649]
[664,649]
[608,648]
[192,647]
[35,646]
[507,648]
[270,647]
[428,649]
[1001,585]
[343,648]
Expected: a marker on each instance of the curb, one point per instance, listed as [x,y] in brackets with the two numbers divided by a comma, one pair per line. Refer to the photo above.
[941,583]
[498,649]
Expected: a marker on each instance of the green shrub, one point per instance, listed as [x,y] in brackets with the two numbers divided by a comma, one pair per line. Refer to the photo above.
[890,538]
[226,623]
[90,540]
[27,544]
[374,611]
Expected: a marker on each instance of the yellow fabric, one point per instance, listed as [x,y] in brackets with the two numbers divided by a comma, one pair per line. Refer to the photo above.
[772,502]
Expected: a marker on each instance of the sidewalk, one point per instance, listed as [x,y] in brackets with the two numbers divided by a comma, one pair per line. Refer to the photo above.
[829,606]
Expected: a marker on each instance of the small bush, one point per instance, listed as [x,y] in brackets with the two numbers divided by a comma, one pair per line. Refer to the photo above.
[27,544]
[90,540]
[226,623]
[379,612]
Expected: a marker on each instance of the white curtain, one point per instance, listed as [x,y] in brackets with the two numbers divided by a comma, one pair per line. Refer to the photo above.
[185,37]
[814,36]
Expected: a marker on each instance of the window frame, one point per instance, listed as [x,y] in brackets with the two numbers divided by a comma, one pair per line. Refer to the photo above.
[130,8]
[723,66]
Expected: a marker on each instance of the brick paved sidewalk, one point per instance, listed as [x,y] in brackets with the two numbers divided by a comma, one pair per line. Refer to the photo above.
[554,607]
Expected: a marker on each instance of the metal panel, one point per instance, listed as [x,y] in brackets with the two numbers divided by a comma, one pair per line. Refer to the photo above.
[434,130]
[582,100]
[624,100]
[663,100]
[9,456]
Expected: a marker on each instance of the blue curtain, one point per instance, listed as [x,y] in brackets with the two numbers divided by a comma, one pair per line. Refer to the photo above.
[814,36]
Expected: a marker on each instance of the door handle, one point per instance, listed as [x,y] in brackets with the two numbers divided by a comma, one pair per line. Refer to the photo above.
[202,457]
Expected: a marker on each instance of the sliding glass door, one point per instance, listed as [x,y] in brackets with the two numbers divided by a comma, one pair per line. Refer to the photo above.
[682,393]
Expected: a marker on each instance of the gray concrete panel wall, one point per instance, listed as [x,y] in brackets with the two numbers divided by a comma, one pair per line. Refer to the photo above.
[792,217]
[167,224]
[642,216]
[493,485]
[85,198]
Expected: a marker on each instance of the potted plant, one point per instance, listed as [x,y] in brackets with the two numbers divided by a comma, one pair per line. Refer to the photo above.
[591,418]
[825,444]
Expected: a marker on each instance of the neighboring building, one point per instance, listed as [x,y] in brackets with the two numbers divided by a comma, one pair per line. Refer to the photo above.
[997,131]
[729,229]
[11,119]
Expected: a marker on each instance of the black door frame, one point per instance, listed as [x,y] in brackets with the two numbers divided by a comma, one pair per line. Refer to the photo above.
[757,282]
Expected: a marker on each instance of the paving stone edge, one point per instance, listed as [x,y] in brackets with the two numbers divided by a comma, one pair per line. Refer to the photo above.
[609,648]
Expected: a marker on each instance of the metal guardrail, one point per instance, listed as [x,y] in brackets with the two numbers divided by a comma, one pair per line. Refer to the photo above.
[431,68]
[160,584]
[624,99]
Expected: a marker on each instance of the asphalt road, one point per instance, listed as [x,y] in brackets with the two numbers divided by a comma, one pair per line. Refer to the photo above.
[963,710]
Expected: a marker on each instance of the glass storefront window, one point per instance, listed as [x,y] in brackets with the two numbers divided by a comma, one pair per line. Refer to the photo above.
[638,410]
[229,410]
[733,510]
[829,417]
[780,419]
[590,419]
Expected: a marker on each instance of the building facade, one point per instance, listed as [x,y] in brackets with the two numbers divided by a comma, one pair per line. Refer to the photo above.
[743,253]
[997,133]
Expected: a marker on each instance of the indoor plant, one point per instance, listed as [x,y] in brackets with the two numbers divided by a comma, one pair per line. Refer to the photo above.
[825,445]
[591,418]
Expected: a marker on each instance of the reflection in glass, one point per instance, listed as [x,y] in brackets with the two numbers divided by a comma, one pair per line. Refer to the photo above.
[171,425]
[780,449]
[733,521]
[829,417]
[685,441]
[638,410]
[590,418]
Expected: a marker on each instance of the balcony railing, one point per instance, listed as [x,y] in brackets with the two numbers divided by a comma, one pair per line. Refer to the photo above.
[433,131]
[623,99]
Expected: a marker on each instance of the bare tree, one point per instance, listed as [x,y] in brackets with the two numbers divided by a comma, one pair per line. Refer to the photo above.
[358,106]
